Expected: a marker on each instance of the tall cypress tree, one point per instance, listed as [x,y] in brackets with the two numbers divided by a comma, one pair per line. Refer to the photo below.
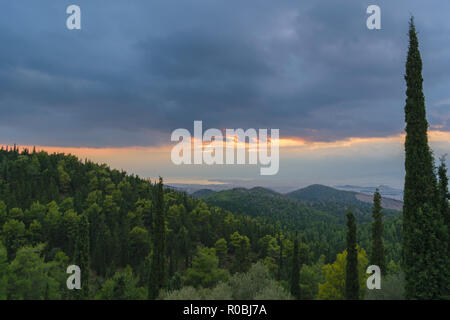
[424,261]
[81,257]
[444,196]
[351,270]
[157,272]
[280,258]
[377,257]
[295,285]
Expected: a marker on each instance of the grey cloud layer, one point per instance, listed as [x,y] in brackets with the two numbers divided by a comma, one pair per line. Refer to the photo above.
[136,71]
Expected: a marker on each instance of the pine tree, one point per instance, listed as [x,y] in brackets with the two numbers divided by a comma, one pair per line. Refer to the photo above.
[81,257]
[351,271]
[157,273]
[424,248]
[377,257]
[295,285]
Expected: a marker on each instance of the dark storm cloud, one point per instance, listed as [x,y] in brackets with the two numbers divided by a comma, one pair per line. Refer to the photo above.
[136,71]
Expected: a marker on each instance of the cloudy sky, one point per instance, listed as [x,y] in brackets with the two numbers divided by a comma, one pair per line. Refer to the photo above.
[137,70]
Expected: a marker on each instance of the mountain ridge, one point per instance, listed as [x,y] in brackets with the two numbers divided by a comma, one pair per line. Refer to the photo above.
[315,193]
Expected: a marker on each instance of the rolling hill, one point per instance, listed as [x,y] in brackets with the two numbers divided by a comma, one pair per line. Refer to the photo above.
[323,198]
[317,212]
[317,192]
[321,193]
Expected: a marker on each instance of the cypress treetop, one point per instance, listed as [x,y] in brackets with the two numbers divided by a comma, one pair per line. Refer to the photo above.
[424,235]
[351,271]
[377,256]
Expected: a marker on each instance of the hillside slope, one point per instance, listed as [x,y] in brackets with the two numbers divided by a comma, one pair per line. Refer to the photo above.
[322,223]
[315,202]
[321,193]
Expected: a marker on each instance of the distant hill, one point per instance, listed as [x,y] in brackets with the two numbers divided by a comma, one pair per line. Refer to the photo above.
[317,192]
[317,212]
[316,201]
[321,193]
[386,203]
[201,193]
[260,202]
[385,191]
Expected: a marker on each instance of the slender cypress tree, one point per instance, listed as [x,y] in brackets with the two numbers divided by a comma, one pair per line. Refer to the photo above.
[351,270]
[157,272]
[424,248]
[377,257]
[280,258]
[420,181]
[81,257]
[444,196]
[295,285]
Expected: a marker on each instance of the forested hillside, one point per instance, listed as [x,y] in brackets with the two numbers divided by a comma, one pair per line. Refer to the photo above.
[321,193]
[320,218]
[56,210]
[43,199]
[317,192]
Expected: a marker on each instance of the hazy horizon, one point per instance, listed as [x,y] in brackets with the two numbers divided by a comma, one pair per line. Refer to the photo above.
[115,90]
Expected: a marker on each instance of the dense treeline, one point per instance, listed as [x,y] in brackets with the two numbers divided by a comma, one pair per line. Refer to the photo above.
[322,224]
[47,201]
[56,210]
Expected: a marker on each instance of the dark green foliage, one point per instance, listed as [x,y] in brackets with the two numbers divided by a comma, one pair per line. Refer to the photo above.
[122,286]
[81,257]
[351,269]
[14,235]
[157,268]
[4,273]
[295,281]
[280,258]
[444,195]
[202,193]
[420,181]
[3,213]
[377,256]
[241,250]
[320,193]
[310,277]
[322,224]
[444,204]
[127,218]
[430,271]
[424,234]
[139,246]
[221,250]
[205,271]
[29,276]
[392,288]
[37,206]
